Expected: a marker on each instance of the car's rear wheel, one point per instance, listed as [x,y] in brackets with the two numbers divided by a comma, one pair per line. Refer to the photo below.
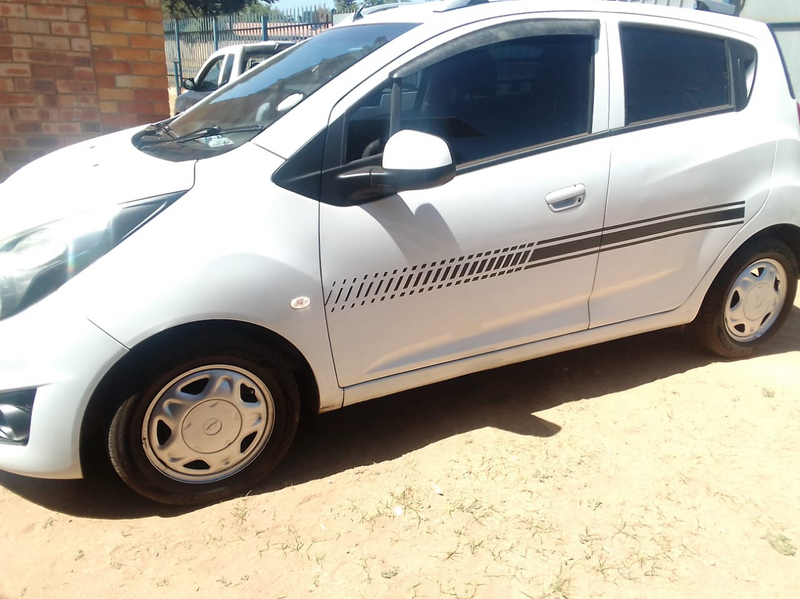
[209,423]
[749,300]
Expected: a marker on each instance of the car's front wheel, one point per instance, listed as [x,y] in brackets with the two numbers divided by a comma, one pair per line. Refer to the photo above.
[206,424]
[749,300]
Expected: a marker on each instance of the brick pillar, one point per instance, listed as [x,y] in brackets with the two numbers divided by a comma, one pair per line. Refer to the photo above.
[74,69]
[130,66]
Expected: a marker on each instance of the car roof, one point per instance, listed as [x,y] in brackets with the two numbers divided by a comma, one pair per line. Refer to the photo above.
[449,13]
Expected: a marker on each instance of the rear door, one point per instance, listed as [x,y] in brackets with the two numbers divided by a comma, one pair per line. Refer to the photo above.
[689,164]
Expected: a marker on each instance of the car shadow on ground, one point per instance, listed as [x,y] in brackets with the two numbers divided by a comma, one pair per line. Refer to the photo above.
[506,398]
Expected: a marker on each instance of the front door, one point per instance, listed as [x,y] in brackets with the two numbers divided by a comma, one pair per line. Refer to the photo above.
[505,253]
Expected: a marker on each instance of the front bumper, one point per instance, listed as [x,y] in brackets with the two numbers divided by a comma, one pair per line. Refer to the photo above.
[57,352]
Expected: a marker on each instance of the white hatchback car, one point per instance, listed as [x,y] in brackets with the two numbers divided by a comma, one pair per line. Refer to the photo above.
[432,191]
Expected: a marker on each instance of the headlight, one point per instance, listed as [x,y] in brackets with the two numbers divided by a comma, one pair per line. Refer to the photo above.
[38,261]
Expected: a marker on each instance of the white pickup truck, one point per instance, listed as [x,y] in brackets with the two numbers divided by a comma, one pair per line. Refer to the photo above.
[223,66]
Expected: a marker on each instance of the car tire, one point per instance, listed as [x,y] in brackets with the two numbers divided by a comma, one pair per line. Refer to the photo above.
[207,423]
[749,300]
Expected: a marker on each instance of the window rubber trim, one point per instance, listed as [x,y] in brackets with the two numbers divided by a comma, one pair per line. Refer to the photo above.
[500,32]
[549,146]
[684,116]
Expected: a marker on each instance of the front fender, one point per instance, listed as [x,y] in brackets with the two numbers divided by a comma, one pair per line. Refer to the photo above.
[235,247]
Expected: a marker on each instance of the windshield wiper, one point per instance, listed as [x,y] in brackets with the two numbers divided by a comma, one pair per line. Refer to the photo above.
[201,133]
[154,132]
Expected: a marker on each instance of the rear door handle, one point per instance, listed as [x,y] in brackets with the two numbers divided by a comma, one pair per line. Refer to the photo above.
[566,197]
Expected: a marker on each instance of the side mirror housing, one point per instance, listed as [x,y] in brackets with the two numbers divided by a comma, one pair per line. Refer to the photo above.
[411,160]
[410,150]
[188,84]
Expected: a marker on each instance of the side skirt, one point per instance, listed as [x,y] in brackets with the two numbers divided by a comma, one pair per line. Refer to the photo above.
[520,353]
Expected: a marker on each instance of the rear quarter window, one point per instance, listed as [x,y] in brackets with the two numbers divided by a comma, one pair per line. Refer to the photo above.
[743,63]
[670,73]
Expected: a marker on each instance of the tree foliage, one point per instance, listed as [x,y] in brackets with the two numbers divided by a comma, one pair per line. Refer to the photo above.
[347,5]
[208,8]
[353,5]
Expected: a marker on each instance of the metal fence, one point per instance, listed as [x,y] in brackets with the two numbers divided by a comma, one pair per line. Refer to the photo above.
[189,42]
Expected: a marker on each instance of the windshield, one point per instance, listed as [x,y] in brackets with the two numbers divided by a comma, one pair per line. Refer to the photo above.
[239,111]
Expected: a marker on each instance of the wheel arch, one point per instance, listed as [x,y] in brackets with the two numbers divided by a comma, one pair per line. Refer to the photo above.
[101,408]
[788,234]
[709,326]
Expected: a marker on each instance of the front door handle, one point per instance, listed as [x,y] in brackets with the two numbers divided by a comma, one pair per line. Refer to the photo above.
[566,197]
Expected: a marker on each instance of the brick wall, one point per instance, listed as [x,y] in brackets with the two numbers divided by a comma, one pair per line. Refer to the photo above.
[74,69]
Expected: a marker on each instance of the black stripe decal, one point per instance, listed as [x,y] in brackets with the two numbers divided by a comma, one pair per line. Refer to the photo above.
[571,236]
[562,259]
[673,215]
[521,257]
[642,221]
[671,225]
[542,253]
[673,234]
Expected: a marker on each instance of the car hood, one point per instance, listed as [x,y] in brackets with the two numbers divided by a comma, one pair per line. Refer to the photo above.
[90,175]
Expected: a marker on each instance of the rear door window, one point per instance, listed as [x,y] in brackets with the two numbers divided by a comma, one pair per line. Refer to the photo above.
[670,73]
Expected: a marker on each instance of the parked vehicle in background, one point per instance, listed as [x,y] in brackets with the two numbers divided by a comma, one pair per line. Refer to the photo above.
[433,190]
[723,7]
[223,66]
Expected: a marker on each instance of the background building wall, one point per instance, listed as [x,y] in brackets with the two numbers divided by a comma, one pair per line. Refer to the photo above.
[784,16]
[75,69]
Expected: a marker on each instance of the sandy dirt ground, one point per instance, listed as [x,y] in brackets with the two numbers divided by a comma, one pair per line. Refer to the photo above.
[639,468]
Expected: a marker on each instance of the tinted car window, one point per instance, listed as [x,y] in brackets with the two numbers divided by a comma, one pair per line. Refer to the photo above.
[209,80]
[489,100]
[670,73]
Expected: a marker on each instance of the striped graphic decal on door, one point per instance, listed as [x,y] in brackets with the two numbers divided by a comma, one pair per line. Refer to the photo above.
[383,286]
